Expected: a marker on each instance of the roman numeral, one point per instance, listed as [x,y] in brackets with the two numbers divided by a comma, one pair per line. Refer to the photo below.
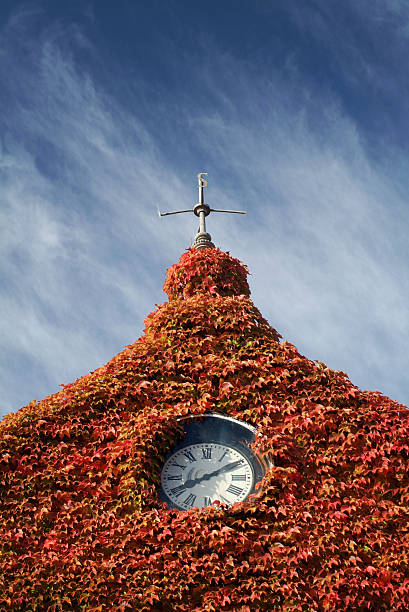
[178,490]
[189,456]
[178,465]
[174,477]
[241,477]
[207,453]
[234,490]
[190,500]
[224,454]
[207,501]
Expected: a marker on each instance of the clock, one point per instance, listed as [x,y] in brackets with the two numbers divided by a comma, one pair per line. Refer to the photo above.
[213,462]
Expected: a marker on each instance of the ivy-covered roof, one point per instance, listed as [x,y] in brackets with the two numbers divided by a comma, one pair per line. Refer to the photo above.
[81,522]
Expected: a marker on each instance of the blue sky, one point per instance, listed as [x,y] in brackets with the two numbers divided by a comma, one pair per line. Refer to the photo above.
[299,112]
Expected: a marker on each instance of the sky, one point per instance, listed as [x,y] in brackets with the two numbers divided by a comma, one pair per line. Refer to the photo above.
[298,111]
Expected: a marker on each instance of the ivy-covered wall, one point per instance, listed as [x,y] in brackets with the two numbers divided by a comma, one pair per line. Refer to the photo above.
[81,523]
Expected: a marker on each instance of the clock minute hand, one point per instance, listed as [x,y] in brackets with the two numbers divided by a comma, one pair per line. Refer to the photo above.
[227,468]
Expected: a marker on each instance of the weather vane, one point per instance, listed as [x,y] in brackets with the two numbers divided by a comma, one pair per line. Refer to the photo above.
[203,240]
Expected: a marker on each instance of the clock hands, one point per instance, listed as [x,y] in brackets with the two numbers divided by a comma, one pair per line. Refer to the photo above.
[226,468]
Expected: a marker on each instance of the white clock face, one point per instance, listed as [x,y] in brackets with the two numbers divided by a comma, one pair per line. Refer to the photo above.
[197,475]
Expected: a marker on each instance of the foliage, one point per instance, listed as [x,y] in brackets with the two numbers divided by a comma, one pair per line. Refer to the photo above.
[81,523]
[208,270]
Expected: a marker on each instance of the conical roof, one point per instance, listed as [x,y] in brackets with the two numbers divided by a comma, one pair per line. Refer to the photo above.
[82,524]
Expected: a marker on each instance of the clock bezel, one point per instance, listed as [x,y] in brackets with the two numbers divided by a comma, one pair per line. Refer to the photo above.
[215,428]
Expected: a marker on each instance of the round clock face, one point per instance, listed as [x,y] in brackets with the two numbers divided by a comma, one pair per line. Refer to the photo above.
[197,475]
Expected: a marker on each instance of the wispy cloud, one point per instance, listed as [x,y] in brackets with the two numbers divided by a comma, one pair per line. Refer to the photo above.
[80,183]
[86,159]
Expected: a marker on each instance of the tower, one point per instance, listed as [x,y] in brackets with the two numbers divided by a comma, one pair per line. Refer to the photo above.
[82,519]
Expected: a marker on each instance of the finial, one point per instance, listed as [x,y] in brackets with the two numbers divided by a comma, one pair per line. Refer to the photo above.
[203,240]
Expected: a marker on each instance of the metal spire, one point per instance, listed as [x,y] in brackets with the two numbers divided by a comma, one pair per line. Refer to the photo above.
[203,240]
